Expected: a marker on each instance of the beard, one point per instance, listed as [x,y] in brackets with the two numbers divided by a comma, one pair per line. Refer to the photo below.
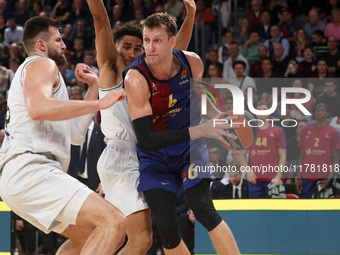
[58,58]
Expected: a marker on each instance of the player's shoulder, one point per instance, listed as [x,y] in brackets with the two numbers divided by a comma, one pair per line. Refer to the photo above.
[191,56]
[42,63]
[332,129]
[195,63]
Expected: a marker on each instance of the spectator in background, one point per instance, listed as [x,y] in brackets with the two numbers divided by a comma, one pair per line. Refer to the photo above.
[152,7]
[269,149]
[275,39]
[251,47]
[6,13]
[265,86]
[264,26]
[117,14]
[83,32]
[308,65]
[293,150]
[137,4]
[15,52]
[204,13]
[244,34]
[76,93]
[78,51]
[286,122]
[23,13]
[223,51]
[331,98]
[174,7]
[254,16]
[301,42]
[314,23]
[289,27]
[67,71]
[139,14]
[256,68]
[240,80]
[333,28]
[315,86]
[79,12]
[3,56]
[89,59]
[13,34]
[217,155]
[295,112]
[214,71]
[212,60]
[292,70]
[228,103]
[281,60]
[332,58]
[6,76]
[236,188]
[37,8]
[319,44]
[14,64]
[3,27]
[319,147]
[61,11]
[228,71]
[330,6]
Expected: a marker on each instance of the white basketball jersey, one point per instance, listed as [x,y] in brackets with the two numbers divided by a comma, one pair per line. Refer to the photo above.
[115,121]
[51,138]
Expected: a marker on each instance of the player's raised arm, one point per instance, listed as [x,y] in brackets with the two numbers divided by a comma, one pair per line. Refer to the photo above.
[107,54]
[39,79]
[184,34]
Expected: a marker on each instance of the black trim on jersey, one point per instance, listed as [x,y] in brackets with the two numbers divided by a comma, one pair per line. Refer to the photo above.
[59,86]
[162,81]
[23,68]
[121,84]
[142,73]
[186,59]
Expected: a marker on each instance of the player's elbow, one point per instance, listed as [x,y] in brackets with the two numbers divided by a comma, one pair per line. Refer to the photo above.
[35,114]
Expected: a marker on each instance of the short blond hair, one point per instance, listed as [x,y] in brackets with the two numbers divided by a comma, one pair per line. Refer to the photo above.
[161,20]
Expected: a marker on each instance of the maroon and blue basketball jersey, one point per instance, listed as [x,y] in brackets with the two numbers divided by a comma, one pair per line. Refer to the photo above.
[318,144]
[174,107]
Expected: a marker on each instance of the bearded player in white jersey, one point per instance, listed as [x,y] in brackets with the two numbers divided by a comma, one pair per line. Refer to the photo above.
[41,124]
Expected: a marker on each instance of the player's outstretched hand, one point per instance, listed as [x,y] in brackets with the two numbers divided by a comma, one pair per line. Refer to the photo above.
[217,128]
[111,98]
[84,74]
[190,6]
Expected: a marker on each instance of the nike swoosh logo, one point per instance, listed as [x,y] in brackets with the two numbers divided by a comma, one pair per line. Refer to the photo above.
[165,183]
[155,93]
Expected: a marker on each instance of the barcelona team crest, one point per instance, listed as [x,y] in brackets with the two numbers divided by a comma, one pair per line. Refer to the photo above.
[154,86]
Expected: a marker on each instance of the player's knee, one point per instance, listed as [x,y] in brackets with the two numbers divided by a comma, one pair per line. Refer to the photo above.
[115,225]
[208,217]
[169,233]
[142,242]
